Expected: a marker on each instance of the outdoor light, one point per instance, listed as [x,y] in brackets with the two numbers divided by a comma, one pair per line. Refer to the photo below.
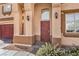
[56,15]
[28,18]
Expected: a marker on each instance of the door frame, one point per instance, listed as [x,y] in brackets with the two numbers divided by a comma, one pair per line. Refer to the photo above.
[49,25]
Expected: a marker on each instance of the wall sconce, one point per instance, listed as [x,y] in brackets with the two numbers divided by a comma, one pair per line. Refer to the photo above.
[56,15]
[28,18]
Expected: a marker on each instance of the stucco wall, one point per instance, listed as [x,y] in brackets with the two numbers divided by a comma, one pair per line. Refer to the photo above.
[3,21]
[27,38]
[56,23]
[16,19]
[15,14]
[28,23]
[68,6]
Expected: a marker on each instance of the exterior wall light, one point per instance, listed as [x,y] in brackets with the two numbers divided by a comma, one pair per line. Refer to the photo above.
[28,18]
[56,15]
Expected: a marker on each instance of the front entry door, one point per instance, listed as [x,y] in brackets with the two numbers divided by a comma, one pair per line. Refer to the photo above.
[45,31]
[45,26]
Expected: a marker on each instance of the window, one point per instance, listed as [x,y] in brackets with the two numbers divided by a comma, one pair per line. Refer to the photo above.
[45,15]
[7,8]
[72,22]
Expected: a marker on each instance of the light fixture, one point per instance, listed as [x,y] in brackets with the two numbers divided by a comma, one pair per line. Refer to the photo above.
[28,18]
[56,15]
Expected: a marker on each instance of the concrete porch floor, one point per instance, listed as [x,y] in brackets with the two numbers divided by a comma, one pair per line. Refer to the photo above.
[18,50]
[8,49]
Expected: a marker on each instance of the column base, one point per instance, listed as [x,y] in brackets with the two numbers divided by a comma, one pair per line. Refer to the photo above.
[29,40]
[56,42]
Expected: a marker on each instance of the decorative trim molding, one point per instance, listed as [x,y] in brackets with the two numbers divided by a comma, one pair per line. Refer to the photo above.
[6,18]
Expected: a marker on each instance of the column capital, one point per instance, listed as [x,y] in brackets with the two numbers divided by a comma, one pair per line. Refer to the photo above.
[28,6]
[56,5]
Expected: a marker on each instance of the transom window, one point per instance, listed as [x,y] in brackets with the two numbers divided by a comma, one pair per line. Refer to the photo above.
[45,15]
[72,22]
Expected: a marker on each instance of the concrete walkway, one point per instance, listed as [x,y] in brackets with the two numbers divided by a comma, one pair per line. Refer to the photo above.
[14,53]
[2,44]
[6,52]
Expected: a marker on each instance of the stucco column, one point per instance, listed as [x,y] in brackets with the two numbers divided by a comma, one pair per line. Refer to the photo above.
[56,24]
[28,23]
[16,19]
[27,38]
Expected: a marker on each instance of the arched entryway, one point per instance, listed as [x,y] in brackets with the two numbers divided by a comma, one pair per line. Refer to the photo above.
[45,25]
[42,21]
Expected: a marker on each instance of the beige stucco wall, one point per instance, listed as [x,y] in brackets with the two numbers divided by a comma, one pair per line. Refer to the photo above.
[70,40]
[2,16]
[27,38]
[28,30]
[68,6]
[56,23]
[16,20]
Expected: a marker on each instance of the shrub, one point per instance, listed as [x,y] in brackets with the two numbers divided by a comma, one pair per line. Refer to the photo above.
[48,50]
[45,50]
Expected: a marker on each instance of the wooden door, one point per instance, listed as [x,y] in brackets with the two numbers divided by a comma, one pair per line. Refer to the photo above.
[45,31]
[0,32]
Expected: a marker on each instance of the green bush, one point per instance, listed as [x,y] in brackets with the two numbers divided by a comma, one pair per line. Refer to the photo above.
[45,50]
[48,50]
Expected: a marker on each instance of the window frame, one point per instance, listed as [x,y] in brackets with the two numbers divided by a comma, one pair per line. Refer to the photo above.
[63,23]
[4,6]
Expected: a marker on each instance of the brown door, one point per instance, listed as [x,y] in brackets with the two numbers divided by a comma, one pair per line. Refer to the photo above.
[6,31]
[45,31]
[0,31]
